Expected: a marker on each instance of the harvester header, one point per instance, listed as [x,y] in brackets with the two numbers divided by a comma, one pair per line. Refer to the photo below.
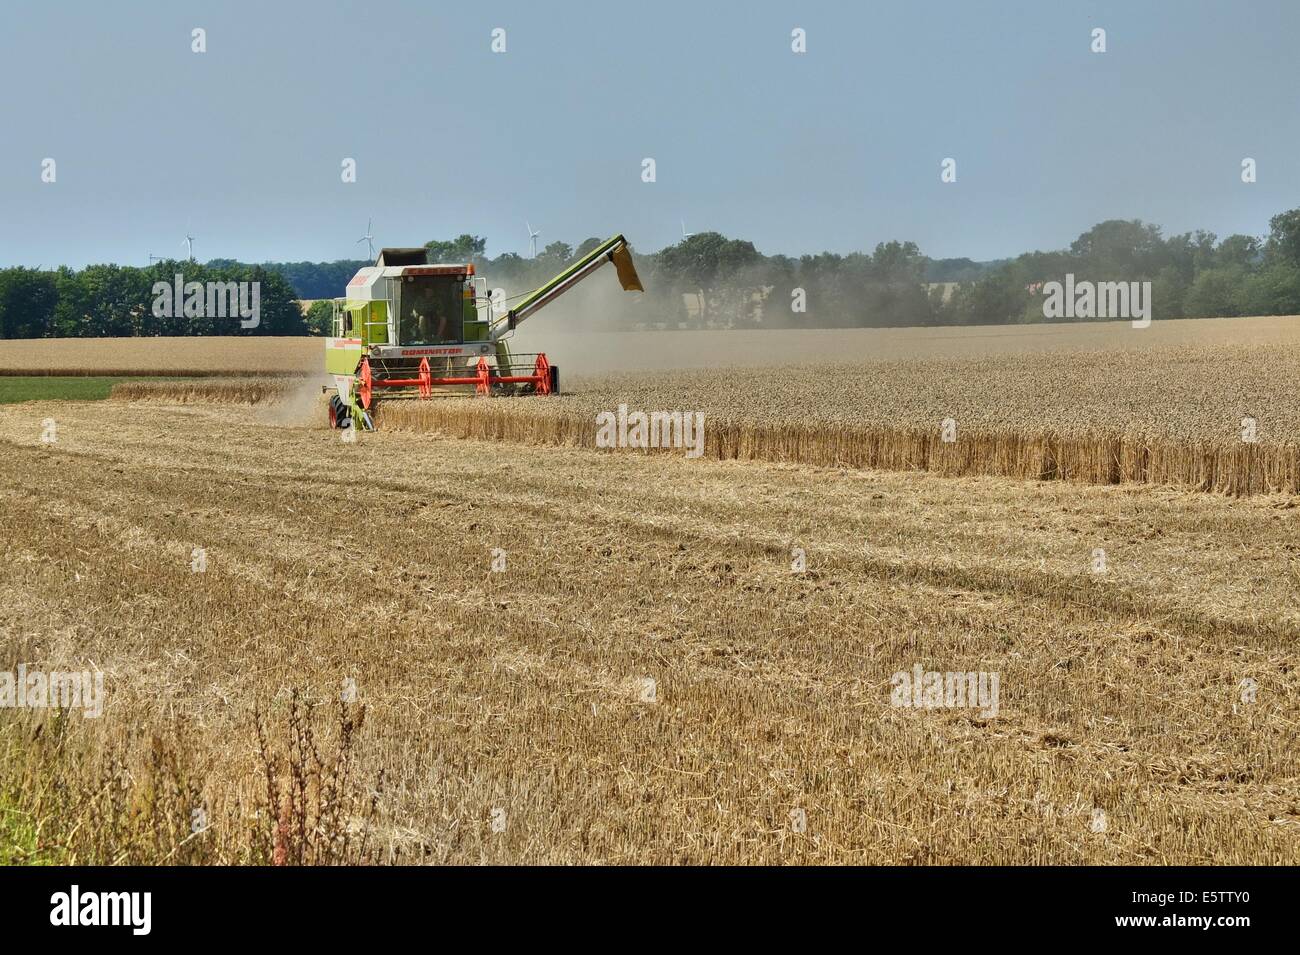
[407,326]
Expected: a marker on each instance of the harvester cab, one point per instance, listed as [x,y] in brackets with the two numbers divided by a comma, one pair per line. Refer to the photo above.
[407,326]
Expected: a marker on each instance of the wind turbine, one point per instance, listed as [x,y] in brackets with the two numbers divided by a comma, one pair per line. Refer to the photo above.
[532,240]
[368,240]
[685,235]
[189,241]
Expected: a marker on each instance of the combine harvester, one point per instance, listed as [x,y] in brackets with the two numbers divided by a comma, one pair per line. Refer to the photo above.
[408,326]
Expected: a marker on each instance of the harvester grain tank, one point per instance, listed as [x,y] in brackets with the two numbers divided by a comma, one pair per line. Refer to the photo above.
[406,327]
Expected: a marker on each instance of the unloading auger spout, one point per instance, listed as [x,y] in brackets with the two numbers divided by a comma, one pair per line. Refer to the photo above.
[614,250]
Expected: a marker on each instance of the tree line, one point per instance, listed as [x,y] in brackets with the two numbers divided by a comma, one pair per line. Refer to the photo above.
[1192,274]
[717,281]
[103,301]
[710,280]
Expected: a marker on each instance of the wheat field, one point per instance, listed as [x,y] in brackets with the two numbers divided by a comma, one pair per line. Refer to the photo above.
[472,636]
[597,352]
[234,389]
[1223,418]
[173,357]
[1214,418]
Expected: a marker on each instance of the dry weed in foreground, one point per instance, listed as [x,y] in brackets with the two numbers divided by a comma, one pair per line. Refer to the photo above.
[145,797]
[315,816]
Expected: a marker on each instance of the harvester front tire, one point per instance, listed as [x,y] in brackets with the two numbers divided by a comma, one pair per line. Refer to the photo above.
[555,379]
[334,411]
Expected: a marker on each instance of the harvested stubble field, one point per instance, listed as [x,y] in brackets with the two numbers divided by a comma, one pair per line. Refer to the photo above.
[507,717]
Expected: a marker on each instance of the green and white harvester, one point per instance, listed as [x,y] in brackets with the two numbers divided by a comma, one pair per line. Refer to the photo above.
[408,326]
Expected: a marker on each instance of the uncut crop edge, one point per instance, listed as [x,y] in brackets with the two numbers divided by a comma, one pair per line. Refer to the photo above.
[1237,469]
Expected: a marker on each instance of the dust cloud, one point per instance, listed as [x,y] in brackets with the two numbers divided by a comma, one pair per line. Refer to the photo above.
[302,406]
[597,351]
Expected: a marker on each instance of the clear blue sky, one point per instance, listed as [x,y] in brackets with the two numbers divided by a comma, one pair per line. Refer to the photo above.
[836,149]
